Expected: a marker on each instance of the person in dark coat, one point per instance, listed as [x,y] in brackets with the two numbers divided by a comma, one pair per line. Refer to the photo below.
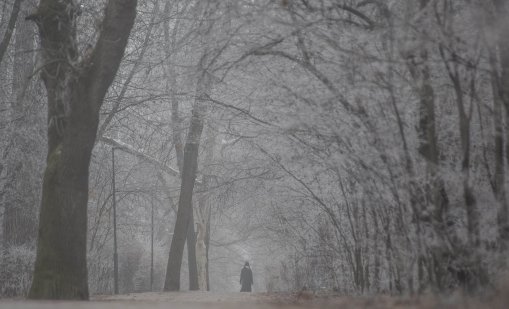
[246,278]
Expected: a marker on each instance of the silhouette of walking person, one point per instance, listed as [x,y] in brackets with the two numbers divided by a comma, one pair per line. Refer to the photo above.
[246,278]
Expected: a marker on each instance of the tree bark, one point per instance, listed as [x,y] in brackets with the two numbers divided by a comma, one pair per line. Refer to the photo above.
[502,89]
[75,92]
[185,208]
[201,261]
[204,214]
[176,125]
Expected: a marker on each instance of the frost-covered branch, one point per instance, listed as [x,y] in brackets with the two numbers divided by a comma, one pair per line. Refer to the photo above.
[130,149]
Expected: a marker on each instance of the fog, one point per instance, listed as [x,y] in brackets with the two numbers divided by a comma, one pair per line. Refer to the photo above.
[347,148]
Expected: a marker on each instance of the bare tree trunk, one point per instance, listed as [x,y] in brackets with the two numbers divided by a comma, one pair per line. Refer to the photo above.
[176,125]
[502,89]
[470,272]
[21,192]
[470,201]
[201,257]
[191,255]
[10,28]
[502,26]
[74,100]
[415,196]
[185,208]
[207,248]
[134,69]
[435,196]
[204,213]
[388,252]
[464,117]
[499,176]
[22,176]
[377,253]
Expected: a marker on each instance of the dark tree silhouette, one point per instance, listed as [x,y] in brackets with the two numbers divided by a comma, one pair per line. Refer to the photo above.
[75,91]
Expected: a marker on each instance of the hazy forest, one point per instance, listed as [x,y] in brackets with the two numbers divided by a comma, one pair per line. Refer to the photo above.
[356,147]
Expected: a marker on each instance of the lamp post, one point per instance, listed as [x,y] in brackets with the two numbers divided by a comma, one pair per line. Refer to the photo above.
[115,255]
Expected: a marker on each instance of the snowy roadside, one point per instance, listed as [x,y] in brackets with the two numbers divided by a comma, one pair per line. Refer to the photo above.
[199,300]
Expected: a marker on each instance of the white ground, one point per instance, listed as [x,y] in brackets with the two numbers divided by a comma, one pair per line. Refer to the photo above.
[175,300]
[207,300]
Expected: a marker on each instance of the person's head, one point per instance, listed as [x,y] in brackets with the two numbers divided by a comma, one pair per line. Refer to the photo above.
[246,264]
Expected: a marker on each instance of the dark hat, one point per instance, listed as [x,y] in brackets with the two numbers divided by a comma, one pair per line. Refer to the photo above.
[246,264]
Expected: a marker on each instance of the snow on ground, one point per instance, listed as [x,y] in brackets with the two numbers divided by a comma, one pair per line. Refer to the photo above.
[199,300]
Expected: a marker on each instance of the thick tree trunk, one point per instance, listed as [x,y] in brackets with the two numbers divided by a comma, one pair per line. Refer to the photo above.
[74,101]
[134,69]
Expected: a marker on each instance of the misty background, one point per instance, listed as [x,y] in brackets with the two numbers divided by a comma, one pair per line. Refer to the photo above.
[354,147]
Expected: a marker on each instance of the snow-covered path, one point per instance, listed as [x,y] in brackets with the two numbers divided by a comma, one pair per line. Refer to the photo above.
[199,300]
[176,300]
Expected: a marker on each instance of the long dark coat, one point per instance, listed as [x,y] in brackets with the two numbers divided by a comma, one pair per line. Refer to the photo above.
[246,279]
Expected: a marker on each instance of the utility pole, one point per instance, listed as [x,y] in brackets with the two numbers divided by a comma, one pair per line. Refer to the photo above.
[115,255]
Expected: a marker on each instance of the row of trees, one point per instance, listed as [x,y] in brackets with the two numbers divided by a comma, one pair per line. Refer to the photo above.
[418,166]
[364,141]
[75,63]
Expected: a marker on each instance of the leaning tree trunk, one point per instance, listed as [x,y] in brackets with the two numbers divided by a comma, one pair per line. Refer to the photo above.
[176,124]
[75,91]
[185,207]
